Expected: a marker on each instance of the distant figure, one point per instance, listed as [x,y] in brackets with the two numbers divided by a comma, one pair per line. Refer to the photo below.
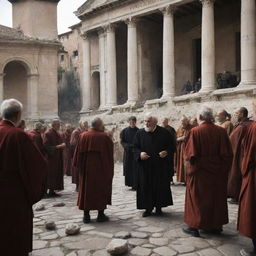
[169,128]
[54,147]
[129,163]
[83,126]
[95,161]
[36,136]
[182,134]
[22,125]
[187,88]
[153,147]
[22,182]
[247,201]
[67,151]
[197,85]
[236,138]
[208,154]
[193,122]
[223,120]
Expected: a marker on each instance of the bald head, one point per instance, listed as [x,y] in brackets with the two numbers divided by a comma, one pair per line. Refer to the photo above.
[222,115]
[150,122]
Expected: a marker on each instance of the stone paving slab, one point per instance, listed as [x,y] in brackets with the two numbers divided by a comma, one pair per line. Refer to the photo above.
[154,236]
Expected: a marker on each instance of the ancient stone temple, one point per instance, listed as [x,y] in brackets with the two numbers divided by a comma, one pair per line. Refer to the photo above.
[28,58]
[165,56]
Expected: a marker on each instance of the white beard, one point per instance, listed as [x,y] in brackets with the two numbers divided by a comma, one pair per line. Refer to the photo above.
[148,129]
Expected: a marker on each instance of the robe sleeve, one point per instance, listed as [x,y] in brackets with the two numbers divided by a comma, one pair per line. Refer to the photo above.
[32,168]
[124,143]
[137,146]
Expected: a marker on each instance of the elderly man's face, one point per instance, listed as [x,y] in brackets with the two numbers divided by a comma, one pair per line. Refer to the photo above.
[56,126]
[69,128]
[85,126]
[165,122]
[238,116]
[150,122]
[220,117]
[184,122]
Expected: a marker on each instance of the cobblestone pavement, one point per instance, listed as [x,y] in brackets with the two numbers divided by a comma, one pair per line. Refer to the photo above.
[149,236]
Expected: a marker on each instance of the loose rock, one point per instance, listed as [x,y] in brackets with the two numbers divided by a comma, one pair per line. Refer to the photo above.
[39,207]
[123,235]
[72,229]
[50,225]
[117,247]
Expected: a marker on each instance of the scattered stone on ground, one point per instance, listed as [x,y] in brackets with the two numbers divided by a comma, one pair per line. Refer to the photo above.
[117,247]
[72,229]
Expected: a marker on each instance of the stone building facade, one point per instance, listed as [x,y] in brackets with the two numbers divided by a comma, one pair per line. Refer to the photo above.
[29,58]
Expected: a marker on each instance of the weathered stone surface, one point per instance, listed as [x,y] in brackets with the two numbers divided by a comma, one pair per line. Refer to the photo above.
[54,251]
[230,249]
[159,241]
[139,235]
[83,253]
[101,253]
[39,244]
[165,251]
[150,229]
[89,244]
[210,252]
[50,225]
[139,251]
[39,207]
[58,204]
[137,241]
[50,237]
[117,247]
[182,248]
[157,235]
[123,235]
[72,229]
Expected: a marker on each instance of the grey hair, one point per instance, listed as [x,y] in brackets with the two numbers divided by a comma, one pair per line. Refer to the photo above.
[151,116]
[55,121]
[38,126]
[206,114]
[95,122]
[10,108]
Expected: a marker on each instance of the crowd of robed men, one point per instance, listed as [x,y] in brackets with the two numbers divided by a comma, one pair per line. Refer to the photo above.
[212,164]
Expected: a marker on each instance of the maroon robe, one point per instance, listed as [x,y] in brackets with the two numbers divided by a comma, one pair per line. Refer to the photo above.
[22,181]
[247,206]
[55,160]
[73,143]
[235,175]
[67,153]
[36,137]
[95,162]
[209,156]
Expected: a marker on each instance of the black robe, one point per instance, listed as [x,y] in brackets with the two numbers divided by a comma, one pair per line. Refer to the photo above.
[174,138]
[129,164]
[154,174]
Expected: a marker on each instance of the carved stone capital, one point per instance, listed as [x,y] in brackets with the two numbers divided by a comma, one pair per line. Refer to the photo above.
[101,32]
[110,27]
[131,22]
[85,35]
[168,10]
[207,2]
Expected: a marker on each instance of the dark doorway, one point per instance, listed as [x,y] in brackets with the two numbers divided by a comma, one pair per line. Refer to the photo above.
[238,52]
[197,58]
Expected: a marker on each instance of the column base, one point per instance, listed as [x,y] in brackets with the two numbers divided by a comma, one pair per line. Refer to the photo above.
[247,85]
[131,103]
[206,90]
[168,96]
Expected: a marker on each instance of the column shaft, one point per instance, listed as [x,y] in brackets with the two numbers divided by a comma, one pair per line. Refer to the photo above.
[208,46]
[102,69]
[86,89]
[248,42]
[168,53]
[132,62]
[33,96]
[1,87]
[111,66]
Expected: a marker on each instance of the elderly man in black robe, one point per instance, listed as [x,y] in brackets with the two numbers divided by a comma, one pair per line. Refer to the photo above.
[153,147]
[129,164]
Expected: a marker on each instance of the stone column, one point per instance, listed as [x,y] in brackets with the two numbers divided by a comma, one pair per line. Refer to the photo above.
[33,96]
[111,66]
[86,88]
[168,53]
[101,34]
[1,87]
[248,43]
[208,46]
[132,62]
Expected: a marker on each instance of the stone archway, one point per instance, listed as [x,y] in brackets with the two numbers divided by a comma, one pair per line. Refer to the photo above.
[95,90]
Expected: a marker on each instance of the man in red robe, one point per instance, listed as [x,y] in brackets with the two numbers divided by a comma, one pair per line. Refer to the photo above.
[67,151]
[236,137]
[209,156]
[22,181]
[36,136]
[54,147]
[83,126]
[247,201]
[95,162]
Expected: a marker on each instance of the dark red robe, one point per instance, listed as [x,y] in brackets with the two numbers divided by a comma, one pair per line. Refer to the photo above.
[36,137]
[209,156]
[95,162]
[55,160]
[247,206]
[235,175]
[67,153]
[22,181]
[73,143]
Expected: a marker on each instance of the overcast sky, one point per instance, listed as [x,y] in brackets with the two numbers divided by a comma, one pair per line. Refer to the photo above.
[66,17]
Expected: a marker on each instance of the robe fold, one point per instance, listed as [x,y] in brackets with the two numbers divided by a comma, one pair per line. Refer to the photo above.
[235,175]
[129,163]
[22,181]
[209,157]
[179,156]
[55,160]
[36,137]
[154,174]
[73,143]
[67,153]
[95,162]
[247,201]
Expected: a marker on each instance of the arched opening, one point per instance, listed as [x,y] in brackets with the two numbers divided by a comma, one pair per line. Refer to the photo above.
[16,82]
[95,91]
